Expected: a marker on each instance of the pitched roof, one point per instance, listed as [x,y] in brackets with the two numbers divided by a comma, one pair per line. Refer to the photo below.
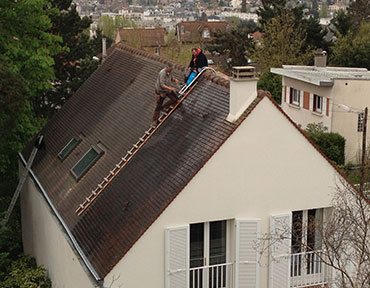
[113,109]
[194,28]
[143,37]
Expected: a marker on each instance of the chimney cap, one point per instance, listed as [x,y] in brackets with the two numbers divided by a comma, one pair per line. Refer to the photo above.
[243,72]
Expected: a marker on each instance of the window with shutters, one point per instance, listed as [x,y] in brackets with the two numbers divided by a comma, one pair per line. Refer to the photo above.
[213,260]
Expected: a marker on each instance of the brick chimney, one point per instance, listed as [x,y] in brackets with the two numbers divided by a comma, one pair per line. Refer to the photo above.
[320,58]
[243,90]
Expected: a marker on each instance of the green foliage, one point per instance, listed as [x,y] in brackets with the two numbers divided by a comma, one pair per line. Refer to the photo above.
[323,11]
[270,9]
[109,25]
[25,42]
[24,273]
[283,43]
[342,22]
[272,83]
[74,64]
[331,144]
[353,50]
[359,11]
[234,45]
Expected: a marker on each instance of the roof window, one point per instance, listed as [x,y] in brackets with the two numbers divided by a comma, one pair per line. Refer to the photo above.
[68,148]
[84,164]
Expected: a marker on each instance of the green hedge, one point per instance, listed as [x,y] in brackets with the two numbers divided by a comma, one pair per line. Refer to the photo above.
[331,144]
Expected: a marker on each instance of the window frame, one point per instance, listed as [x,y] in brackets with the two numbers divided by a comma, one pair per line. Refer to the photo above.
[317,103]
[60,154]
[99,152]
[293,95]
[206,33]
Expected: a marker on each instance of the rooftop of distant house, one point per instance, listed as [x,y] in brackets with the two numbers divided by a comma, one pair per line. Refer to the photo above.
[322,76]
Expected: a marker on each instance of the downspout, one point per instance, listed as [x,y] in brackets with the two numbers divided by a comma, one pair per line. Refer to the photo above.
[69,233]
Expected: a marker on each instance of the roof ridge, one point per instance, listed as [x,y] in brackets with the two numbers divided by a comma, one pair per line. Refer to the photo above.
[136,51]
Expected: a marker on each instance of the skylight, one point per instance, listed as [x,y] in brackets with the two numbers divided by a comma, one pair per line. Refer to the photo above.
[68,148]
[84,164]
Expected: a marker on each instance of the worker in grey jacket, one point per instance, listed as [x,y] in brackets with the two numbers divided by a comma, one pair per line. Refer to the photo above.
[163,90]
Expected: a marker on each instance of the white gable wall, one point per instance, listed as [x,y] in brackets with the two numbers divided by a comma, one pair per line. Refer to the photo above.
[266,167]
[43,239]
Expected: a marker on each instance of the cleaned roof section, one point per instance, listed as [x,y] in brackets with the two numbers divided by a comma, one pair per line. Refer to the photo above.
[322,76]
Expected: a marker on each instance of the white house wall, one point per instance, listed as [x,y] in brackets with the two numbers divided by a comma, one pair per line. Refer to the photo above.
[356,95]
[266,167]
[303,116]
[44,240]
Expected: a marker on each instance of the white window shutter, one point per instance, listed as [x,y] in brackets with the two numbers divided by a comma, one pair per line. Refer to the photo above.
[177,257]
[311,102]
[246,256]
[280,249]
[287,94]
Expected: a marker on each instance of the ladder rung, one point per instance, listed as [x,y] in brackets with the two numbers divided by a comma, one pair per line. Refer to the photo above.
[100,186]
[129,152]
[112,172]
[118,166]
[141,139]
[136,146]
[124,159]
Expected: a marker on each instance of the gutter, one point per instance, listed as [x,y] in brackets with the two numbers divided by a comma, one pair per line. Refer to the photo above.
[69,233]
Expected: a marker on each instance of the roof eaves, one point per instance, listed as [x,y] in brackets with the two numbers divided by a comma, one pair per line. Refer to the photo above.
[302,76]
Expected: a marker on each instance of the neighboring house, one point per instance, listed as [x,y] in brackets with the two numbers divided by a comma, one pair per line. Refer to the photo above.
[149,39]
[198,31]
[313,94]
[191,207]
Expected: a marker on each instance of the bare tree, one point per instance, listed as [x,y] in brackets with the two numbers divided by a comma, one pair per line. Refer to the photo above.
[341,242]
[346,238]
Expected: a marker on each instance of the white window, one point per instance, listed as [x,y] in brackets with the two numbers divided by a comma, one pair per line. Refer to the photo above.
[198,255]
[306,245]
[295,96]
[208,249]
[317,103]
[206,33]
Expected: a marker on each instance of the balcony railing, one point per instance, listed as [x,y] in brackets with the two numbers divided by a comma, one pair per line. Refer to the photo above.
[213,276]
[308,269]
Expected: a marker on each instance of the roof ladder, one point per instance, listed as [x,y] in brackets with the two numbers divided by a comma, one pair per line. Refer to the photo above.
[183,93]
